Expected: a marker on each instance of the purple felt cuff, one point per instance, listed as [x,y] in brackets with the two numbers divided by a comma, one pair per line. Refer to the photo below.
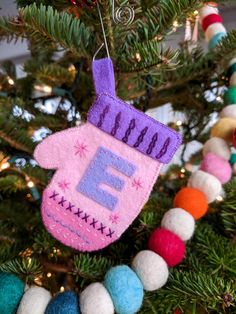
[134,128]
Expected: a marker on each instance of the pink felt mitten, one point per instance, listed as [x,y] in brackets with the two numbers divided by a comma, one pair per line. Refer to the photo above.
[106,168]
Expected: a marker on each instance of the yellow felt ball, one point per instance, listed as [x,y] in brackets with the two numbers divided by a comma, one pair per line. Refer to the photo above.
[224,128]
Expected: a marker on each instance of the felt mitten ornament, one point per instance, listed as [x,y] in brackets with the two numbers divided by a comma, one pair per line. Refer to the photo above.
[105,169]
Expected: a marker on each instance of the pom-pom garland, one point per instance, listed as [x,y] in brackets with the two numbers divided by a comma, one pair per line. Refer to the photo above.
[96,299]
[125,288]
[34,300]
[11,292]
[180,222]
[206,183]
[168,245]
[122,290]
[218,146]
[193,201]
[217,166]
[146,264]
[64,303]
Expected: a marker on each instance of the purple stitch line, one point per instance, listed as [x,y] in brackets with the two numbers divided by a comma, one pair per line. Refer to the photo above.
[103,115]
[164,149]
[66,226]
[117,124]
[129,130]
[152,144]
[128,113]
[54,195]
[141,137]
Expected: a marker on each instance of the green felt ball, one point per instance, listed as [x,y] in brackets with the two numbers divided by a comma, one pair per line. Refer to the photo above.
[11,292]
[233,159]
[230,95]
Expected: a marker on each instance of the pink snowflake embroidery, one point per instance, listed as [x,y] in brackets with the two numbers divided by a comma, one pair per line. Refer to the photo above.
[63,185]
[114,218]
[80,149]
[137,184]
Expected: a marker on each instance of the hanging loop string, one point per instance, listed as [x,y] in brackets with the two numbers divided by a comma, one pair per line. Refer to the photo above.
[104,34]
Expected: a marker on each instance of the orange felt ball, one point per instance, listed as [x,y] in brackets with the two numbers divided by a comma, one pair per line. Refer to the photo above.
[193,201]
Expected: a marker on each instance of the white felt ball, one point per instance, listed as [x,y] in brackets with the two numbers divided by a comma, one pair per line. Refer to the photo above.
[207,10]
[206,183]
[217,146]
[151,269]
[96,299]
[34,301]
[229,111]
[232,80]
[232,61]
[214,29]
[180,222]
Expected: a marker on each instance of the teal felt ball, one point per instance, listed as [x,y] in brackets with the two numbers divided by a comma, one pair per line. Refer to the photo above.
[125,288]
[216,39]
[64,303]
[233,159]
[11,292]
[230,95]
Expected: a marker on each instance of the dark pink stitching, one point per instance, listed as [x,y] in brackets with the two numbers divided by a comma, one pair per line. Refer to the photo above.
[79,212]
[110,233]
[93,223]
[117,124]
[62,201]
[101,228]
[152,144]
[129,130]
[164,149]
[54,195]
[141,137]
[103,115]
[70,206]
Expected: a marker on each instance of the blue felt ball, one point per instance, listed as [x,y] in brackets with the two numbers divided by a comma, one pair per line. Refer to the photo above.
[64,303]
[11,292]
[216,39]
[125,288]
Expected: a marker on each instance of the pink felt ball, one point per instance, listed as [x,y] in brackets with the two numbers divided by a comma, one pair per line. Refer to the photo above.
[217,166]
[168,245]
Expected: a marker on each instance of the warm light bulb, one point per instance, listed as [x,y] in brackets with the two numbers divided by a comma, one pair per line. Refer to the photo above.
[138,57]
[62,289]
[219,198]
[30,184]
[5,165]
[49,275]
[183,170]
[219,98]
[10,81]
[179,122]
[43,88]
[175,24]
[71,68]
[195,12]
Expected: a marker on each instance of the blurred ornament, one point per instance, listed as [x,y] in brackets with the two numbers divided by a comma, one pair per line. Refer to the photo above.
[234,138]
[84,3]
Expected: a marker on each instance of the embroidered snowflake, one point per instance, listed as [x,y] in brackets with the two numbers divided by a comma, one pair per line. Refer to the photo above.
[114,218]
[137,184]
[80,149]
[63,185]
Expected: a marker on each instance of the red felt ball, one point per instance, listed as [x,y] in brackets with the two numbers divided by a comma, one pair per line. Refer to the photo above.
[168,245]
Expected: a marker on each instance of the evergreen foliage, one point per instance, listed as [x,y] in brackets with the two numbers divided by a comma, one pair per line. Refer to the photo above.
[62,41]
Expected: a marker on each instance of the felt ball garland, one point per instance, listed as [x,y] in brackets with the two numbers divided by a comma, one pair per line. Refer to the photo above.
[123,288]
